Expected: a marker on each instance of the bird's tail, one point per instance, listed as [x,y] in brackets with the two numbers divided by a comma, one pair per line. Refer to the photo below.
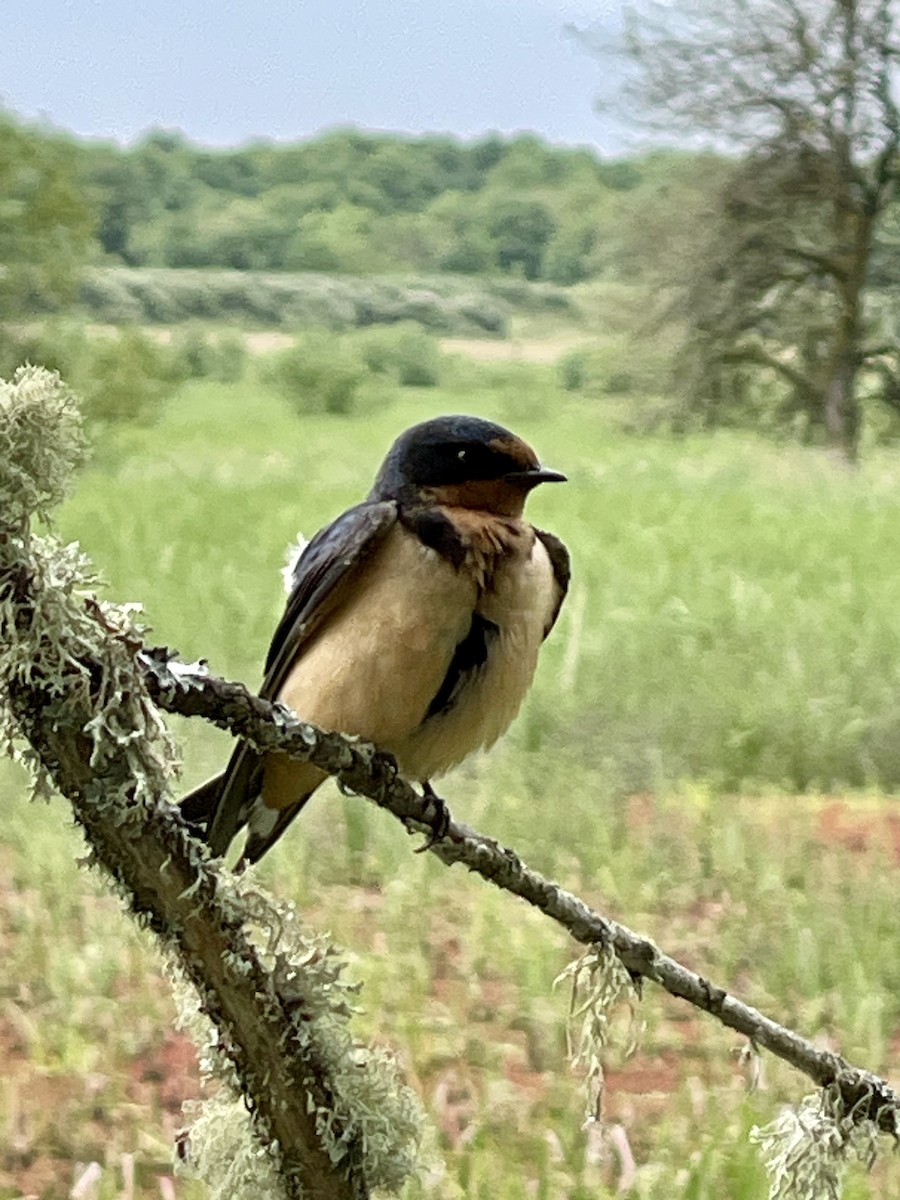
[198,806]
[199,809]
[266,826]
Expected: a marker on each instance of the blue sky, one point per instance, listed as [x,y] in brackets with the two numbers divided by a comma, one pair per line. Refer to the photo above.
[225,72]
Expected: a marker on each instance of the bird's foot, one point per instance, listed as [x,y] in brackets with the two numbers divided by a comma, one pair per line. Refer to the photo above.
[440,823]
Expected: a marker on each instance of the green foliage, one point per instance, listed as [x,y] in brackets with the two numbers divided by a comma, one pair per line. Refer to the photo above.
[732,624]
[45,221]
[778,283]
[445,304]
[626,365]
[573,370]
[127,378]
[520,230]
[200,354]
[405,352]
[363,203]
[58,345]
[318,374]
[123,376]
[568,254]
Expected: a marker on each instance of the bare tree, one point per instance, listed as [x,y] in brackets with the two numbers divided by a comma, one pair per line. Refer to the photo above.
[806,90]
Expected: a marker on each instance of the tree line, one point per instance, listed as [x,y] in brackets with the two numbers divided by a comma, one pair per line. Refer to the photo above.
[357,202]
[344,202]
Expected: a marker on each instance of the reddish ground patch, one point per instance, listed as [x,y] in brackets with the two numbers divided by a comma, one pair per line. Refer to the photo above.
[166,1074]
[860,831]
[58,1120]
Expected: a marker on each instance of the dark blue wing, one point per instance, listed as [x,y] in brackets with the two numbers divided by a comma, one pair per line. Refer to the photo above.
[327,565]
[326,568]
[562,570]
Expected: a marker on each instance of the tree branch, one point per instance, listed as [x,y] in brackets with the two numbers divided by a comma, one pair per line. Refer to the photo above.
[361,768]
[824,264]
[755,353]
[171,887]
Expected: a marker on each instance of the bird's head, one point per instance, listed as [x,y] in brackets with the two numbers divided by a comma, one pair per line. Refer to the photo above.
[462,462]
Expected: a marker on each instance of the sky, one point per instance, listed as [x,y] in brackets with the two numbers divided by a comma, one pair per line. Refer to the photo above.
[226,72]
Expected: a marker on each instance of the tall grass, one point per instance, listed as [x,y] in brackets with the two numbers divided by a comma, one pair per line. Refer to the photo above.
[731,629]
[733,614]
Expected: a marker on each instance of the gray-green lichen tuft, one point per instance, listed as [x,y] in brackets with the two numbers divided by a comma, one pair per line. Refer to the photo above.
[370,1105]
[41,443]
[51,624]
[806,1149]
[599,985]
[223,1150]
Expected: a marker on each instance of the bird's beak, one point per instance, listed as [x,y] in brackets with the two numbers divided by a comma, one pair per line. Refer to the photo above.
[535,475]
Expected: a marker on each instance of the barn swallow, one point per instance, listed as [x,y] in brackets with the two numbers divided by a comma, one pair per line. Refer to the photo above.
[414,621]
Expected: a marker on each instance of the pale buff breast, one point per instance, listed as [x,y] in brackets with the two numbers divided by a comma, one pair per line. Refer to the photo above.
[377,663]
[520,603]
[375,667]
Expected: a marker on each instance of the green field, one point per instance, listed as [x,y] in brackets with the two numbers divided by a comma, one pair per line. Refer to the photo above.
[708,755]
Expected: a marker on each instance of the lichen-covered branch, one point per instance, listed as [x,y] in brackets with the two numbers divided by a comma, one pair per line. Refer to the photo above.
[72,687]
[172,889]
[360,768]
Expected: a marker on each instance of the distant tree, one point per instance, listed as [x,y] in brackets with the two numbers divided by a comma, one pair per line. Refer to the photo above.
[345,239]
[460,240]
[138,188]
[404,176]
[46,223]
[488,152]
[568,256]
[779,282]
[350,201]
[239,171]
[652,231]
[520,231]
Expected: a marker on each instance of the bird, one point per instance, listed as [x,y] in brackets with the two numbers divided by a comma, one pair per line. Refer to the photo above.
[414,621]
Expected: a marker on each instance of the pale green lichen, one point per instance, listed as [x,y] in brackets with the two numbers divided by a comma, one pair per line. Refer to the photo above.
[807,1148]
[222,1150]
[52,624]
[48,639]
[41,442]
[599,985]
[370,1108]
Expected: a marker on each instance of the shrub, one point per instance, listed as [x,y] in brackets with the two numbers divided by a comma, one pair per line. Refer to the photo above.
[57,345]
[573,371]
[230,362]
[120,377]
[446,304]
[523,390]
[483,314]
[200,355]
[405,352]
[619,365]
[126,378]
[319,374]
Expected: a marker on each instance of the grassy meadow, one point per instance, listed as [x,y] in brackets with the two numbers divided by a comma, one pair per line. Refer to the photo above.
[709,755]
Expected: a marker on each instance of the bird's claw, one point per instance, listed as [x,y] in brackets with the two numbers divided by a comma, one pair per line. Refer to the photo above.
[441,823]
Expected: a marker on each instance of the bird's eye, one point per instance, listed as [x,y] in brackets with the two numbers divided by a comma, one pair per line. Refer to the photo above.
[460,454]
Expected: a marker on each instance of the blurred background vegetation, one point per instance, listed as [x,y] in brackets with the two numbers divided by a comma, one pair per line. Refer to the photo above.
[710,289]
[712,747]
